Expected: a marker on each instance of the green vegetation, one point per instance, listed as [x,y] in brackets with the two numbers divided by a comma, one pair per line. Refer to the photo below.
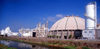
[6,47]
[70,47]
[85,48]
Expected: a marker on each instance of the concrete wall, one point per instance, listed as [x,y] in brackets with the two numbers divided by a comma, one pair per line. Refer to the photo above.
[97,33]
[89,34]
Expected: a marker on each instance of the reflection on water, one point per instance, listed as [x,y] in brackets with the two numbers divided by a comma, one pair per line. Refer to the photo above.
[23,45]
[20,45]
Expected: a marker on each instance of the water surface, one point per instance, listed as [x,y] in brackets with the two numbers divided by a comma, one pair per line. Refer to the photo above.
[20,45]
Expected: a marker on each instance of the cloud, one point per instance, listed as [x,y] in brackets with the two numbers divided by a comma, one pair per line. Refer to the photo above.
[51,18]
[54,18]
[59,16]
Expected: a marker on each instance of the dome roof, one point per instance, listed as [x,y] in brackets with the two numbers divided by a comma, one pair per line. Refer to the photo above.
[69,23]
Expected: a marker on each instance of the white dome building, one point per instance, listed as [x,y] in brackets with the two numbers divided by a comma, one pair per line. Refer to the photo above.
[68,26]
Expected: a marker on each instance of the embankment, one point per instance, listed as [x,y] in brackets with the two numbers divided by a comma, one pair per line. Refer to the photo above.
[59,43]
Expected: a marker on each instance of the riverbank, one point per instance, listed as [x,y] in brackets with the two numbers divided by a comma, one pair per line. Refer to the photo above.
[6,47]
[58,43]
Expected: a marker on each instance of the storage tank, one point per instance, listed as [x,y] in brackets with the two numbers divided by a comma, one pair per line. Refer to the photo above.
[91,18]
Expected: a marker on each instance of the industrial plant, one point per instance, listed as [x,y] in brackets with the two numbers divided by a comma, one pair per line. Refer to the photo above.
[68,27]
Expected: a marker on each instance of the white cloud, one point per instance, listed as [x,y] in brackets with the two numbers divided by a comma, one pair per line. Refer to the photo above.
[53,18]
[59,15]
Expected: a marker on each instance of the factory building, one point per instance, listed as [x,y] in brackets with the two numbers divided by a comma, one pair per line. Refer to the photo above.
[7,32]
[68,27]
[91,16]
[97,34]
[39,31]
[91,21]
[25,32]
[76,27]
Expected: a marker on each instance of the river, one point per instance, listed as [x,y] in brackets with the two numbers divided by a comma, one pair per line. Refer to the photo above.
[20,45]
